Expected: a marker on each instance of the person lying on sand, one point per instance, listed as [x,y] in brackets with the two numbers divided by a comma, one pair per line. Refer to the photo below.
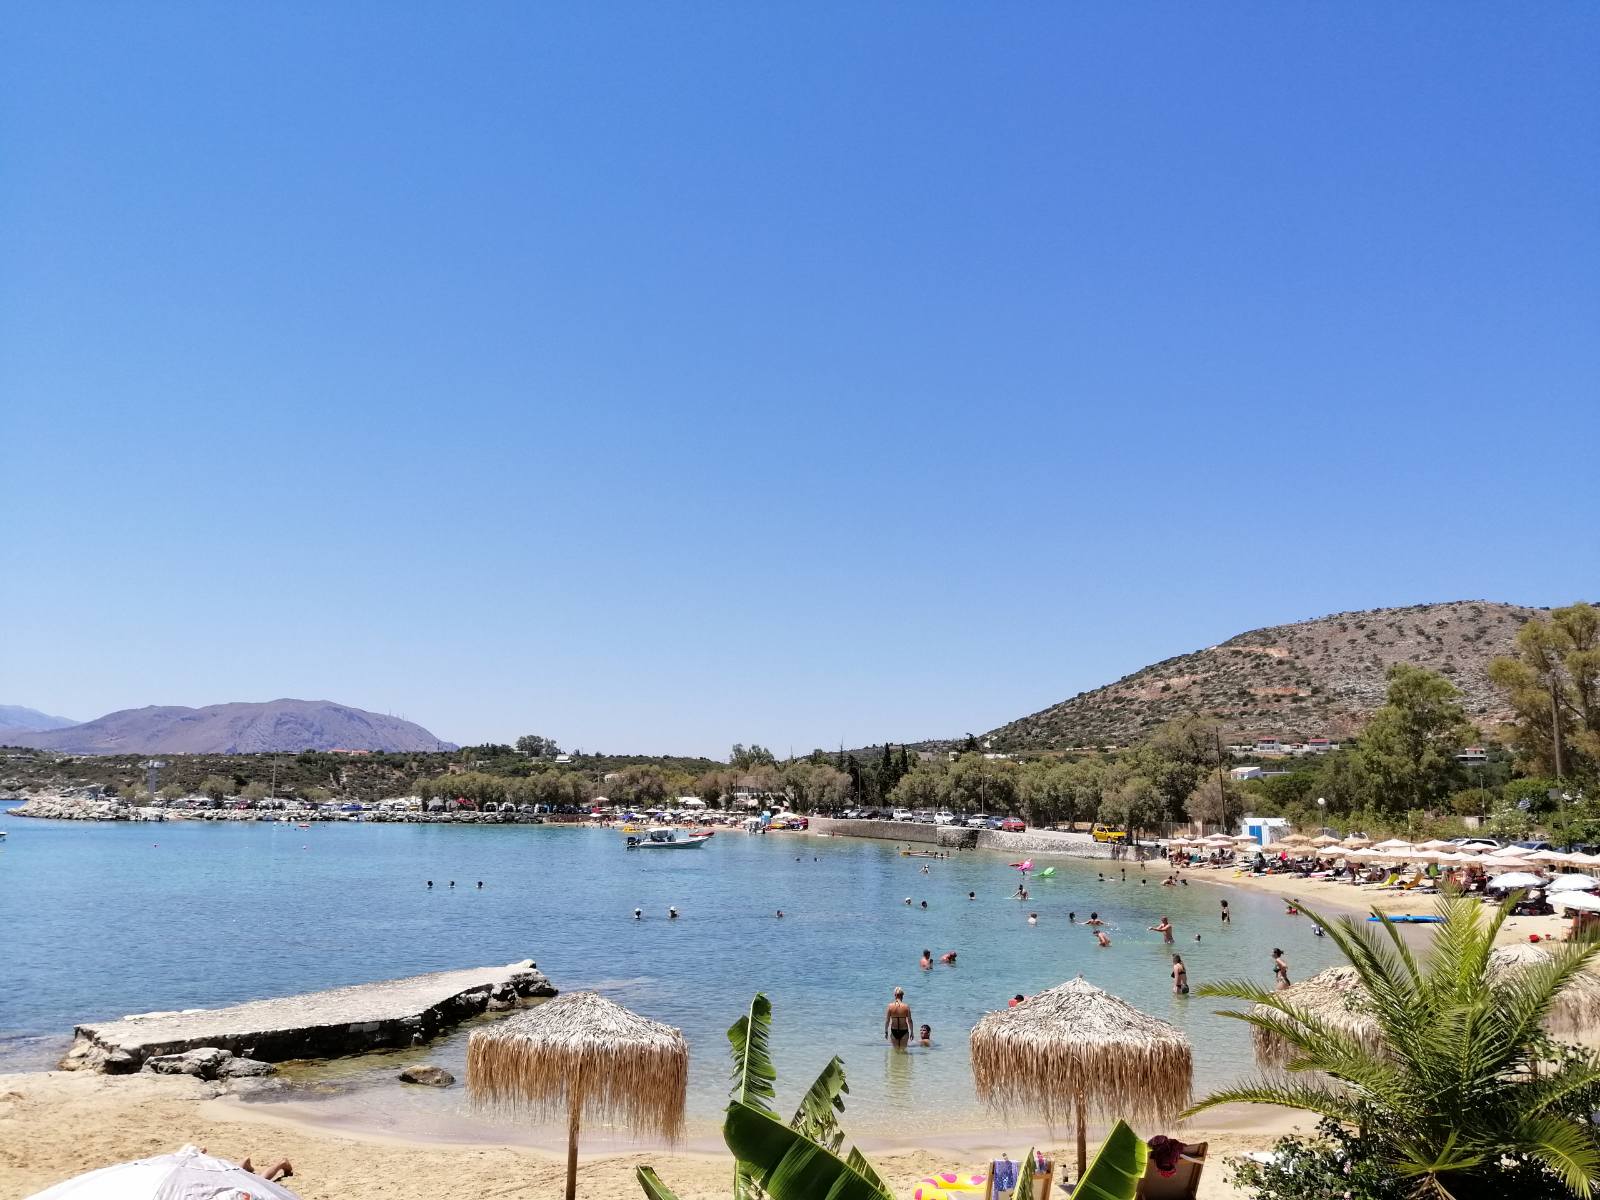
[278,1170]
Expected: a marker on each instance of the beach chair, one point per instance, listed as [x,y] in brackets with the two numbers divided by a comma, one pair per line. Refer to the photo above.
[1182,1184]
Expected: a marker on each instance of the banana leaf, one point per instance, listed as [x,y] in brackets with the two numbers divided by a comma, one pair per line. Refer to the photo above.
[786,1165]
[654,1189]
[817,1117]
[1116,1168]
[753,1072]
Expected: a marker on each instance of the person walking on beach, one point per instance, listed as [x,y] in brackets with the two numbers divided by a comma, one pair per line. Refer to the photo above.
[1280,968]
[1180,976]
[1227,917]
[897,1020]
[1164,929]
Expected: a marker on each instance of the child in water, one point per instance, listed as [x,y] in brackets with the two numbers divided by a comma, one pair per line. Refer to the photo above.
[925,1035]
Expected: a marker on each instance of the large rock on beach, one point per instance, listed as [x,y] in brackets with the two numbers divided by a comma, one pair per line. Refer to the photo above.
[427,1075]
[203,1062]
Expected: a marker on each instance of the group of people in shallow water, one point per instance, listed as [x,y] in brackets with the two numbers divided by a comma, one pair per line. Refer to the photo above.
[453,883]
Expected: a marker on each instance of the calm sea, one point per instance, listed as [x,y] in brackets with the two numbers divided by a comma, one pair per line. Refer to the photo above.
[100,920]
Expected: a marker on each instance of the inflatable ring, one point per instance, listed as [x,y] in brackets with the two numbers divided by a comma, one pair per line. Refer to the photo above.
[948,1185]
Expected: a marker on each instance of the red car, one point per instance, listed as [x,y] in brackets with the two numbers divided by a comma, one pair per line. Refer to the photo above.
[1013,825]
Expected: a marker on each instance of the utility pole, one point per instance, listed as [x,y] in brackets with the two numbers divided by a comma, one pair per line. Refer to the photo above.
[1222,787]
[1555,722]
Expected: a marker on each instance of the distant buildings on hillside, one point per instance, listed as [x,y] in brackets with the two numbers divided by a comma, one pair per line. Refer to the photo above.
[1271,747]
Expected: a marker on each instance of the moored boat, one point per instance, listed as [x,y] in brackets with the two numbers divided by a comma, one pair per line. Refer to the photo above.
[663,838]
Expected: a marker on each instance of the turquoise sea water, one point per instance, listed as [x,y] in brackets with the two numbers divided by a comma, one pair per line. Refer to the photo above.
[100,920]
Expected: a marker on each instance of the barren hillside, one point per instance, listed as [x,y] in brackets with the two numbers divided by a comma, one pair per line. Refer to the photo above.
[1309,679]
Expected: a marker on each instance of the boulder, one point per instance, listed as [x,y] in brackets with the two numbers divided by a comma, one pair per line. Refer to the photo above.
[428,1075]
[202,1062]
[236,1067]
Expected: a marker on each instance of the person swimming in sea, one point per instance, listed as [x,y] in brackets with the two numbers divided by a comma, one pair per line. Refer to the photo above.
[1094,919]
[430,883]
[1180,976]
[780,914]
[927,960]
[1318,931]
[1072,918]
[1227,917]
[1016,1000]
[672,913]
[1164,929]
[972,895]
[1033,918]
[480,885]
[925,1035]
[638,914]
[1100,936]
[948,958]
[1280,969]
[924,904]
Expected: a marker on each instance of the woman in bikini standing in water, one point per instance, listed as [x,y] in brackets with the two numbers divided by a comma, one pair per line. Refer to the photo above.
[897,1020]
[1280,968]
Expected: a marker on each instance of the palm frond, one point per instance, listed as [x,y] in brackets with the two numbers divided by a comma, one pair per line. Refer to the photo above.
[652,1185]
[1323,1101]
[1565,1148]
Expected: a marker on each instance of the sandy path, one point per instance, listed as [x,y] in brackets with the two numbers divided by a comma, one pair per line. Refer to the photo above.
[56,1125]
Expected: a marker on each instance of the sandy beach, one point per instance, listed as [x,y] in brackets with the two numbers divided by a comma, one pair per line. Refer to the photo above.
[1335,898]
[58,1124]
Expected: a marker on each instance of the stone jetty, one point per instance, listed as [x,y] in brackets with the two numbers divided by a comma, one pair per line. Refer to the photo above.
[348,1020]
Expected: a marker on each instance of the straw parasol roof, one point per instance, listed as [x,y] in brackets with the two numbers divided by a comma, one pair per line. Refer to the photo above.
[1356,842]
[1297,839]
[1324,840]
[1335,996]
[582,1056]
[1076,1048]
[1394,844]
[1436,844]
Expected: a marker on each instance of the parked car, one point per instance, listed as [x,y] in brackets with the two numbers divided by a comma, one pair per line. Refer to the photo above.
[1013,825]
[994,822]
[1104,833]
[925,817]
[1533,845]
[903,814]
[944,817]
[977,821]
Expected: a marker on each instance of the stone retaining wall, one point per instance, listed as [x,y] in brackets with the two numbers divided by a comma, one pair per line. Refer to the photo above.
[1033,841]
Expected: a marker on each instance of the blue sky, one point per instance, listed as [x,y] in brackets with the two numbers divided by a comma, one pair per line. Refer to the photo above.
[659,376]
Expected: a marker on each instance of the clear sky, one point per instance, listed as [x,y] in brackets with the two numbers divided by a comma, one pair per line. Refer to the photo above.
[656,376]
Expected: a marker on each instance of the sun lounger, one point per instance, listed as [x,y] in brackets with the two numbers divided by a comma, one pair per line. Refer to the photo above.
[1182,1184]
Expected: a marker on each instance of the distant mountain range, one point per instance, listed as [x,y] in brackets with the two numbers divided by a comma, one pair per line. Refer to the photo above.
[14,716]
[1312,678]
[275,726]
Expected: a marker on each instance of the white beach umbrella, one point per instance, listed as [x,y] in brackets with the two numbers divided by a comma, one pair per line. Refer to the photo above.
[1577,901]
[1515,879]
[1477,847]
[1393,844]
[1437,844]
[1505,862]
[1584,860]
[187,1175]
[1574,883]
[1457,858]
[1547,856]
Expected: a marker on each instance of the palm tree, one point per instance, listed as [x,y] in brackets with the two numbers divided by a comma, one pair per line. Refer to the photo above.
[1460,1082]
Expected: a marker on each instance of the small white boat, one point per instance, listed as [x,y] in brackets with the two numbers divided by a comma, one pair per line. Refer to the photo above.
[662,838]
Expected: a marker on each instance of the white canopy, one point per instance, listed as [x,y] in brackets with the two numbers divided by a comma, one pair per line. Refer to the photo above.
[1579,901]
[186,1175]
[1393,844]
[691,802]
[1574,883]
[1515,879]
[1547,856]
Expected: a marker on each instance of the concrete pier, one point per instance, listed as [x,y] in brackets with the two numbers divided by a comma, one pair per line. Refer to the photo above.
[348,1020]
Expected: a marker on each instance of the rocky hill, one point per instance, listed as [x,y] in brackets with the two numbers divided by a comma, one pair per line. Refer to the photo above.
[1310,679]
[14,716]
[277,725]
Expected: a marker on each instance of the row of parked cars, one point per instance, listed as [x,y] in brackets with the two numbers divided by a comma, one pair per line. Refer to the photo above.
[943,816]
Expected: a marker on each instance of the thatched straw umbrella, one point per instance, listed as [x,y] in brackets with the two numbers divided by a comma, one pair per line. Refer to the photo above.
[1356,842]
[1336,998]
[585,1056]
[1077,1047]
[1324,840]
